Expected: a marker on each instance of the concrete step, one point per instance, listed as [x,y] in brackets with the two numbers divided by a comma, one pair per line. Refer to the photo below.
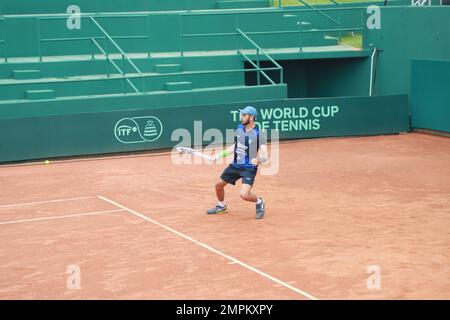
[39,94]
[25,74]
[178,86]
[168,68]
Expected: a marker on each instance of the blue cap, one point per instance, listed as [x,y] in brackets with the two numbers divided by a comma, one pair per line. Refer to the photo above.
[249,110]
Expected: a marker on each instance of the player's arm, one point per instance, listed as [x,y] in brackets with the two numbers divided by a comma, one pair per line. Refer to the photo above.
[224,153]
[262,156]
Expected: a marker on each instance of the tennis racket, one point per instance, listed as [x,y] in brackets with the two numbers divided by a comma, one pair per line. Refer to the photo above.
[195,153]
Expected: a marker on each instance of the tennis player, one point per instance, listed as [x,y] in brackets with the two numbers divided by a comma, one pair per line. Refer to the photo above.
[249,151]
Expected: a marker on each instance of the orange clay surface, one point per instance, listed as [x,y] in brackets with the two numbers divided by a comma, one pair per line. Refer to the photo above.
[336,207]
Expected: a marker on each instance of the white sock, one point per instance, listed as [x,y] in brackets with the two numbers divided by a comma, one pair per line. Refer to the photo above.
[222,204]
[259,201]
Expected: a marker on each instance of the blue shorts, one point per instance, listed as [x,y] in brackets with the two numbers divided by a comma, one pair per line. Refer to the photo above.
[233,174]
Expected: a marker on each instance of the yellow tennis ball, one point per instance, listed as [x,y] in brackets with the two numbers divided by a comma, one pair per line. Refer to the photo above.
[47,162]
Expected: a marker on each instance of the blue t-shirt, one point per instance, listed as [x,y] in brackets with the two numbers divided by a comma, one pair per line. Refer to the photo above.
[246,146]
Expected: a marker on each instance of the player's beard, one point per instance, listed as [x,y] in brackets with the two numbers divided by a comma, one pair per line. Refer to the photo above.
[246,122]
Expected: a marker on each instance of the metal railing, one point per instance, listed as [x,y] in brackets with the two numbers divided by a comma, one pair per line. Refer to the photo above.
[96,45]
[88,38]
[299,30]
[257,65]
[109,60]
[305,3]
[373,70]
[315,9]
[123,54]
[258,50]
[318,11]
[3,42]
[147,16]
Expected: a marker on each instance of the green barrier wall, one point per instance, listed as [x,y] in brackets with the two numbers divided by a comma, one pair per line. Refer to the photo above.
[430,95]
[147,129]
[408,33]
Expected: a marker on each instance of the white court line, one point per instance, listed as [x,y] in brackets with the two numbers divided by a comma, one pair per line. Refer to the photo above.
[39,202]
[207,247]
[61,217]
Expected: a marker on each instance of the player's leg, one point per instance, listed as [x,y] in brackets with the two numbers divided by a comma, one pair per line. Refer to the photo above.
[220,190]
[230,175]
[247,194]
[221,206]
[248,179]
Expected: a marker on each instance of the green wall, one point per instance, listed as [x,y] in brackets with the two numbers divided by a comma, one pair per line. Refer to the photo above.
[339,77]
[430,96]
[408,33]
[75,133]
[313,78]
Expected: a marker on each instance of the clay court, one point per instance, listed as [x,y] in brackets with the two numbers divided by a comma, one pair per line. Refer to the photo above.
[136,225]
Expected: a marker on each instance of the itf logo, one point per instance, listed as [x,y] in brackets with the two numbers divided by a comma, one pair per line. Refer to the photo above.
[138,129]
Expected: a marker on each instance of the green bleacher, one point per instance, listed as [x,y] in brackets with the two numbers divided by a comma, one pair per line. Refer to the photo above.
[162,47]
